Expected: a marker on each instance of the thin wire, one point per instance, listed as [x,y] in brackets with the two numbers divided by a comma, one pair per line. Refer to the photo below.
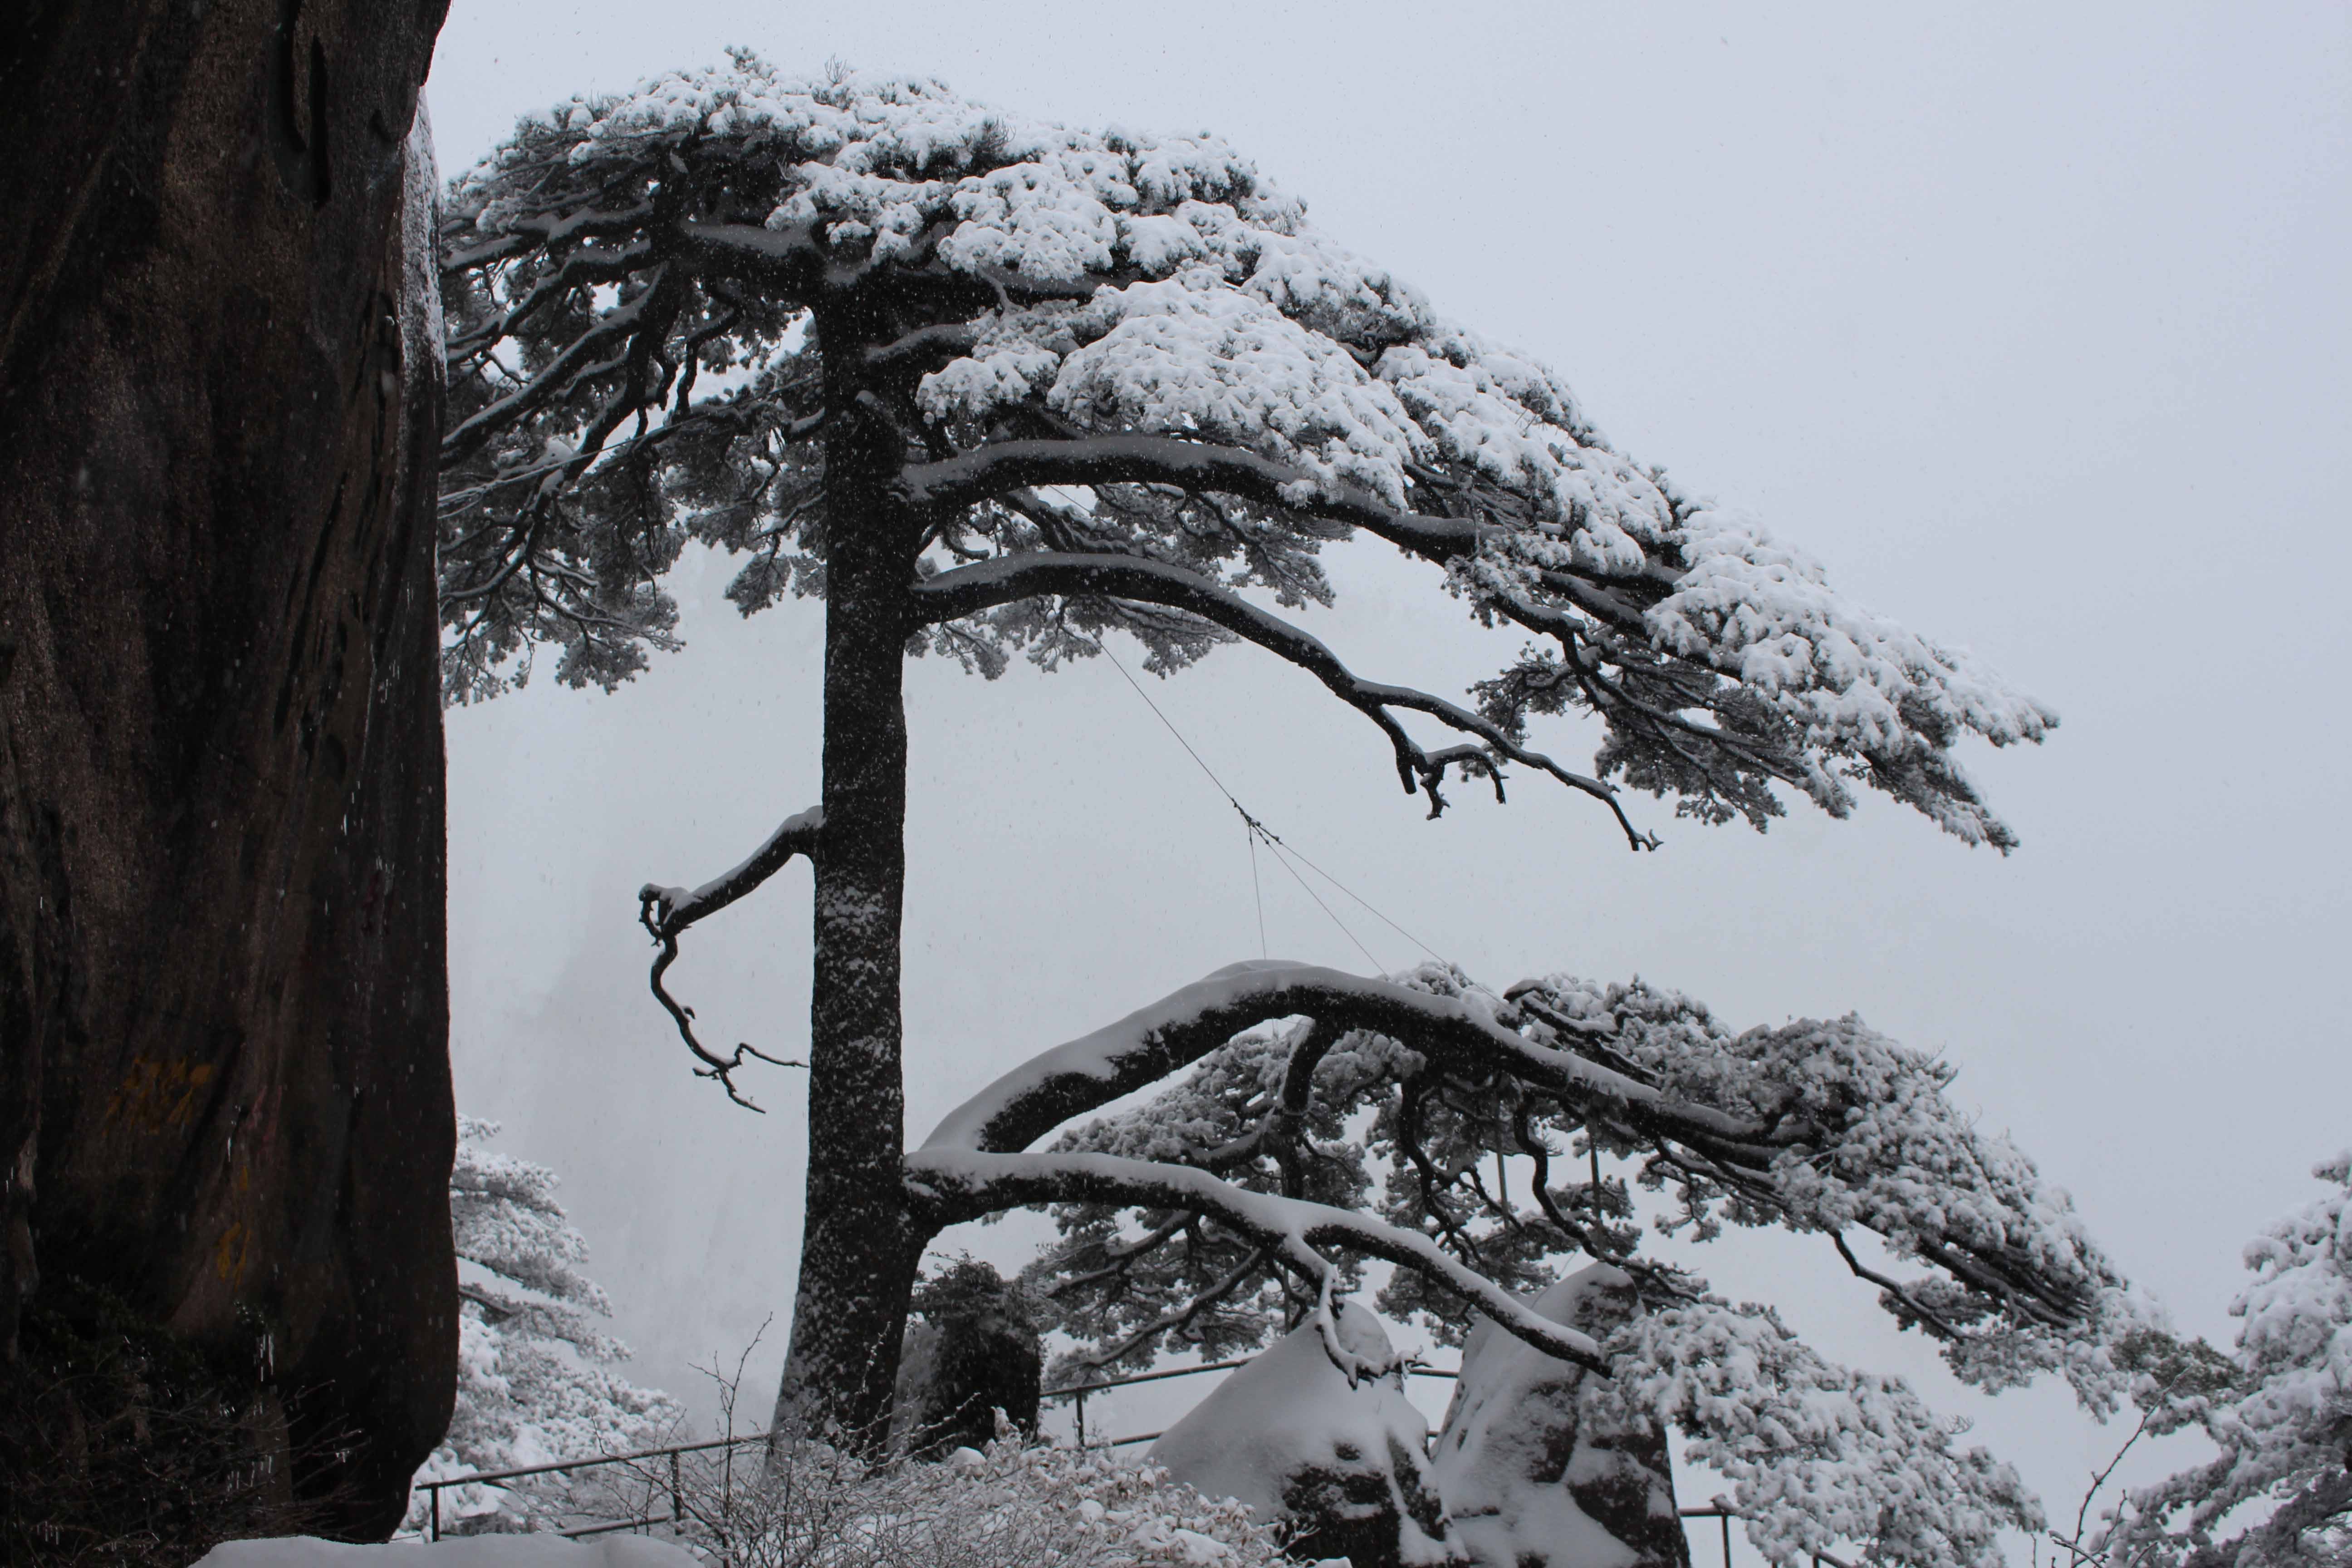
[1368,906]
[1324,907]
[1104,648]
[1249,834]
[1274,841]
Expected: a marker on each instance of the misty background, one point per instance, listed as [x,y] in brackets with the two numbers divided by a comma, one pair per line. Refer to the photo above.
[2030,321]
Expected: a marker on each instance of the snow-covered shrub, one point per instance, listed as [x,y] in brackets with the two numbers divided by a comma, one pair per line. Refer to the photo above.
[2282,1419]
[534,1378]
[1007,1506]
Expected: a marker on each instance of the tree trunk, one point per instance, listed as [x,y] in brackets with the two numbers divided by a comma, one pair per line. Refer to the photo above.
[224,1115]
[860,1249]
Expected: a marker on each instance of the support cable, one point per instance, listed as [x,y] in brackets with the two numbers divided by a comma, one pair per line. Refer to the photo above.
[1282,851]
[1249,837]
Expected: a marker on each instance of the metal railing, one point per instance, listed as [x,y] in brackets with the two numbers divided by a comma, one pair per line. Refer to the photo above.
[1080,1390]
[1076,1391]
[434,1489]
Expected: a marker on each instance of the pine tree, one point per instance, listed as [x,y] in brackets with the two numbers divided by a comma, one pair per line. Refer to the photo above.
[990,387]
[2279,1409]
[535,1378]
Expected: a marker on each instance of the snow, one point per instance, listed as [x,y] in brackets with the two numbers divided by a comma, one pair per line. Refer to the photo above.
[422,331]
[1136,1050]
[676,902]
[1160,286]
[1293,1409]
[535,1378]
[1816,1453]
[1511,1406]
[1845,1130]
[2284,1429]
[1896,1156]
[1291,1226]
[482,1552]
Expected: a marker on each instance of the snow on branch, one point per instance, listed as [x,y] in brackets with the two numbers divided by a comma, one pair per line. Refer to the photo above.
[2278,1409]
[1816,1127]
[1185,1026]
[1815,1452]
[966,590]
[997,304]
[665,912]
[963,1184]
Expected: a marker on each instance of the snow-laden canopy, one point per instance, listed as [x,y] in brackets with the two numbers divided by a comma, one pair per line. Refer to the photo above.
[1110,379]
[1327,1119]
[2280,1411]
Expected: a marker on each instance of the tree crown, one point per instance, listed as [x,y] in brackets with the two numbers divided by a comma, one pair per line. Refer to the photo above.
[1102,379]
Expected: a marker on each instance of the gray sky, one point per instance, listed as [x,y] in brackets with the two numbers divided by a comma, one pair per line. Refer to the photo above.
[2030,321]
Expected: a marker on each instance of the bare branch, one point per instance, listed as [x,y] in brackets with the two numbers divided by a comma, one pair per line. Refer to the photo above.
[1928,1317]
[666,912]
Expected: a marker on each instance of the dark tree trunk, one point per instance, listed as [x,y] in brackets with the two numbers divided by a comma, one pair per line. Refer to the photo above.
[859,1247]
[224,1080]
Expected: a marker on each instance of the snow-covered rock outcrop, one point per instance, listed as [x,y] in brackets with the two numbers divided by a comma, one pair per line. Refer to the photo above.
[1343,1463]
[1533,1478]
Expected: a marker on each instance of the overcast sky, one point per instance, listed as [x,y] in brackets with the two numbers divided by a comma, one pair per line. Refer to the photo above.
[2030,321]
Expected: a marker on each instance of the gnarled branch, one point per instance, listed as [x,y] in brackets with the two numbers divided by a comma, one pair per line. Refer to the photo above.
[666,912]
[966,590]
[1148,1044]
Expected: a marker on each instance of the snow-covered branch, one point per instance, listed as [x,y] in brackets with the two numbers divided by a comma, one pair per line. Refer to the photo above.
[2279,1409]
[1020,304]
[1816,1127]
[964,1183]
[1178,1030]
[966,590]
[992,469]
[668,911]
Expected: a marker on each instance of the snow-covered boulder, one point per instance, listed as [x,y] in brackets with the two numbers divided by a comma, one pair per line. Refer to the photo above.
[1530,1475]
[476,1551]
[1342,1464]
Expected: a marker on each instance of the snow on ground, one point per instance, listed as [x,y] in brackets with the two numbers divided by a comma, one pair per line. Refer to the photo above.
[481,1551]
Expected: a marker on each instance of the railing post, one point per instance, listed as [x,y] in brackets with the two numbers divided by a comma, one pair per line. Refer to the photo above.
[677,1506]
[1082,1418]
[1726,1517]
[433,1491]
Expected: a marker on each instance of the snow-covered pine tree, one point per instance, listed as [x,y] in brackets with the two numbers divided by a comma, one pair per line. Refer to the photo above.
[2279,1493]
[1464,1120]
[989,386]
[535,1379]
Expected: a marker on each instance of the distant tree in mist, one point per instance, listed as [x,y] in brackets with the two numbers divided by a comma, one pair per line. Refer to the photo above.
[535,1378]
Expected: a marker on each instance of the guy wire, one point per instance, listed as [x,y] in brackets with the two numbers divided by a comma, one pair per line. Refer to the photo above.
[1274,841]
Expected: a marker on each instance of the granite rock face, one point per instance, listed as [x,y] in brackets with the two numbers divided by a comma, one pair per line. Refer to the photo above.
[1534,1478]
[225,1098]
